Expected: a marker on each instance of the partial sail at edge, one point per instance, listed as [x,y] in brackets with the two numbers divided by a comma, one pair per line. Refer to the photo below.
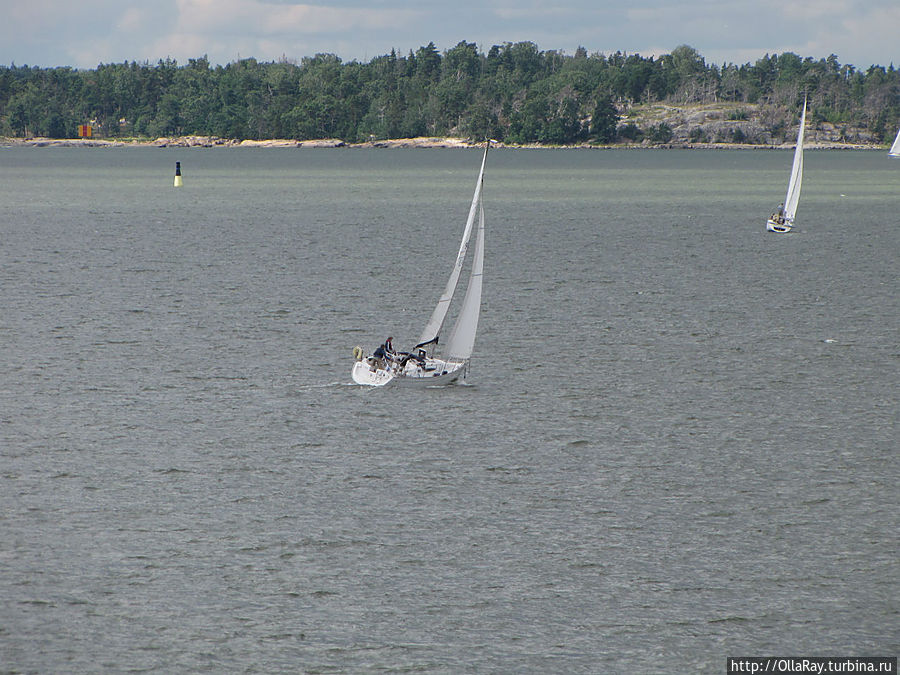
[895,148]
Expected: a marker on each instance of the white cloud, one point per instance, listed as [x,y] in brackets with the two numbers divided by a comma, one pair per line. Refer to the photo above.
[133,19]
[518,13]
[808,10]
[261,18]
[853,36]
[87,32]
[266,30]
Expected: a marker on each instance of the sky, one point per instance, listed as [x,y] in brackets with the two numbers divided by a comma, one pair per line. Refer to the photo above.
[85,33]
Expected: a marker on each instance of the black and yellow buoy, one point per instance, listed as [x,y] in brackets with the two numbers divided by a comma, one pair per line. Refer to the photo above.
[178,181]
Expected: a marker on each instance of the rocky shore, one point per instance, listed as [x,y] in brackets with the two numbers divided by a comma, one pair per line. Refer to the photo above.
[217,142]
[429,142]
[740,125]
[173,142]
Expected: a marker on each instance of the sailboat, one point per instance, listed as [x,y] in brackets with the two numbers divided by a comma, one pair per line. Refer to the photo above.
[421,366]
[783,219]
[895,148]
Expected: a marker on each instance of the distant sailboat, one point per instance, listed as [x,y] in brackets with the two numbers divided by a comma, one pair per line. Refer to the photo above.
[895,148]
[783,219]
[418,367]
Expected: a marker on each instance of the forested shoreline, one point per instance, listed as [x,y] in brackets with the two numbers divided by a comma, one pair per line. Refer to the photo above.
[515,93]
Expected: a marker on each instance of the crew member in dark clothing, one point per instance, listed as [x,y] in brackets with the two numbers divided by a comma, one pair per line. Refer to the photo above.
[778,216]
[385,351]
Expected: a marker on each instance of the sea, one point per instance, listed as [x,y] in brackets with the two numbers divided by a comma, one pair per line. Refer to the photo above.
[677,441]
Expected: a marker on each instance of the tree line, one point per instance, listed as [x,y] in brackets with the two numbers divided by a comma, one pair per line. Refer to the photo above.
[515,92]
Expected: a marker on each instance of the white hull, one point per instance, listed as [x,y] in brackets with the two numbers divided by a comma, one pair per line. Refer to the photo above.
[774,226]
[363,373]
[436,373]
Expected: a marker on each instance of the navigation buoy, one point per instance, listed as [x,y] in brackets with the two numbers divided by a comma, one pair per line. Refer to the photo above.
[178,181]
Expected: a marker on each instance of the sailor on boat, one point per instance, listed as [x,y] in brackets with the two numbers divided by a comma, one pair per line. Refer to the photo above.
[418,359]
[778,216]
[385,352]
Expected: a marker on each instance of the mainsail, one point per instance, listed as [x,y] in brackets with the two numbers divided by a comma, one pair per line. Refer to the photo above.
[433,328]
[793,191]
[895,148]
[462,337]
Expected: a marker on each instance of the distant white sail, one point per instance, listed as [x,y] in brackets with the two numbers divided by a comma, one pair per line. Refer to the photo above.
[793,191]
[895,148]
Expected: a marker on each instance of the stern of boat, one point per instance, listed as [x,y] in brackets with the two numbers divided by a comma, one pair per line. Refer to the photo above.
[365,373]
[776,226]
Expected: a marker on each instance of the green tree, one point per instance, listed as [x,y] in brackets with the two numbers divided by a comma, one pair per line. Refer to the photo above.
[604,120]
[660,133]
[515,92]
[631,132]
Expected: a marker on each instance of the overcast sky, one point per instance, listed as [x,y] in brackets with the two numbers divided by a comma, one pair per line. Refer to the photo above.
[85,33]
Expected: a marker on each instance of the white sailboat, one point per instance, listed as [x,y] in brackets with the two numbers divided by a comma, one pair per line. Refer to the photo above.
[783,219]
[419,366]
[895,148]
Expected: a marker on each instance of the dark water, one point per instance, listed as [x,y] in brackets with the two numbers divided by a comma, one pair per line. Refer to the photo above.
[678,440]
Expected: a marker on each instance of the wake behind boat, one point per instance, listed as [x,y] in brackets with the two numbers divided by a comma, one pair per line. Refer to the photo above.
[423,365]
[783,218]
